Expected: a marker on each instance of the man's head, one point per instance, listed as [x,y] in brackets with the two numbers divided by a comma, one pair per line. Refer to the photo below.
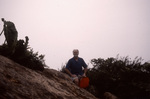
[75,53]
[3,19]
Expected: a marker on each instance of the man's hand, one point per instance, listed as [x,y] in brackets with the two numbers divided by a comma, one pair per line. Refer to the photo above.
[73,75]
[84,75]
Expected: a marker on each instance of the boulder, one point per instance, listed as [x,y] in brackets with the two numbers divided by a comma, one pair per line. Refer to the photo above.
[19,82]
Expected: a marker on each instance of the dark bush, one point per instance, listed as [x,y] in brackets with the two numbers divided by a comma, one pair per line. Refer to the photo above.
[24,55]
[123,77]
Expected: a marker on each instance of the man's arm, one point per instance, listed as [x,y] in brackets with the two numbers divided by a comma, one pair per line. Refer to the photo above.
[85,70]
[2,32]
[68,72]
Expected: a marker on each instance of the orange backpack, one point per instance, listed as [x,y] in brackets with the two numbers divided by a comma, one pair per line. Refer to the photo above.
[84,82]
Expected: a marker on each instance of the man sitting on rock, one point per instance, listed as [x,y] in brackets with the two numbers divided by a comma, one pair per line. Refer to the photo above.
[74,67]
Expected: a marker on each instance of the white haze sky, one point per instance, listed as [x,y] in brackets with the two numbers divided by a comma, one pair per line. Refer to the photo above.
[98,28]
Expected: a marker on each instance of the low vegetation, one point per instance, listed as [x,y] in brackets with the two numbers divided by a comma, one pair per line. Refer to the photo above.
[123,77]
[24,55]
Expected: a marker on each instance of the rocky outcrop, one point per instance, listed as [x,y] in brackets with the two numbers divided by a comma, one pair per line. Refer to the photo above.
[19,82]
[108,95]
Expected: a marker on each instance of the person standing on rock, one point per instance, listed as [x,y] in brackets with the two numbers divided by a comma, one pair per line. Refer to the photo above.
[10,33]
[74,67]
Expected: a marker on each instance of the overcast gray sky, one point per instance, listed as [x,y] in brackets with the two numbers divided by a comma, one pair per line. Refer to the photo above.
[98,28]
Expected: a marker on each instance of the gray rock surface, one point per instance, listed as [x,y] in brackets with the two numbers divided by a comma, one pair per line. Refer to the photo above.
[19,82]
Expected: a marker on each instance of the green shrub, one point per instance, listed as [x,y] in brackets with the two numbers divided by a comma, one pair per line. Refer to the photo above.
[123,77]
[24,55]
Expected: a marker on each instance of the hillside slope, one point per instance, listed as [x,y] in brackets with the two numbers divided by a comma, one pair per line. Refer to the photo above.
[18,82]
